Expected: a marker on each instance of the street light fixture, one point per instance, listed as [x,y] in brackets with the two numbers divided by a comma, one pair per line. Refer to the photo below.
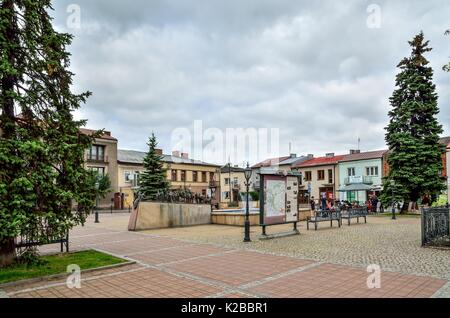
[248,175]
[393,201]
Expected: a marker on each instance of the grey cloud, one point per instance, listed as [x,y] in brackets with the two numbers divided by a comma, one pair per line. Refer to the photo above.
[313,69]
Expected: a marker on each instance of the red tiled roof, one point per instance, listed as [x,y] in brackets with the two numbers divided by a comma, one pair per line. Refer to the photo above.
[106,134]
[364,155]
[321,161]
[270,162]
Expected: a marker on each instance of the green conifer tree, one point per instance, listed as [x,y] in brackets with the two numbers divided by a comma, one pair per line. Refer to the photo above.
[415,157]
[154,179]
[41,147]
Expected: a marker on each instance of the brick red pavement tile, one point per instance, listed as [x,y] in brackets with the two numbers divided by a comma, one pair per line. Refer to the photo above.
[144,244]
[238,267]
[326,281]
[149,283]
[96,273]
[177,254]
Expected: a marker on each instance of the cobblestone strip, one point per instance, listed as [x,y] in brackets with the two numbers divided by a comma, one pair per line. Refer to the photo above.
[444,292]
[158,250]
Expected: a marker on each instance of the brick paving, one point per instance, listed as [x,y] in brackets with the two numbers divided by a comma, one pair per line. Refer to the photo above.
[187,267]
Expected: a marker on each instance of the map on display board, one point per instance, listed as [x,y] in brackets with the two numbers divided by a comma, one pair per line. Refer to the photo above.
[280,199]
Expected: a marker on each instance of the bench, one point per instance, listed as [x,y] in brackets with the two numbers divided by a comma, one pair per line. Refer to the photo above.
[324,216]
[355,213]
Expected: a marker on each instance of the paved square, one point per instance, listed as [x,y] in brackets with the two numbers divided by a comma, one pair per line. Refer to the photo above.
[212,261]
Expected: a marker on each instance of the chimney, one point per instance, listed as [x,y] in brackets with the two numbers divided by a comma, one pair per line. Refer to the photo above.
[159,152]
[106,133]
[176,153]
[293,155]
[353,151]
[184,155]
[330,155]
[310,156]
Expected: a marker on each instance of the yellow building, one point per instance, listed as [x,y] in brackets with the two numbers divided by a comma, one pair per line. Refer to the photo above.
[102,158]
[232,183]
[182,173]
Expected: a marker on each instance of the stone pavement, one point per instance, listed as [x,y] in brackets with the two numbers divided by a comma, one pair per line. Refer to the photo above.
[173,267]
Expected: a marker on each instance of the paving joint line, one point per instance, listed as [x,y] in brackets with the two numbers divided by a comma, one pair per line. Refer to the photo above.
[196,257]
[158,250]
[443,292]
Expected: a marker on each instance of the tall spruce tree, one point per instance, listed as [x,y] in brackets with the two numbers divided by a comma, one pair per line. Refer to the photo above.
[41,147]
[415,157]
[154,178]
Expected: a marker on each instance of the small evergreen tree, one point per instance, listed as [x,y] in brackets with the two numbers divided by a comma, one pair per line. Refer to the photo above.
[415,157]
[41,146]
[154,179]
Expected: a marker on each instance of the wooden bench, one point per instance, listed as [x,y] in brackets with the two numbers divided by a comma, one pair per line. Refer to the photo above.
[355,213]
[324,216]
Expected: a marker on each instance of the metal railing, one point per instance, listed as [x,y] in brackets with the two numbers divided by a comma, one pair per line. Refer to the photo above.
[436,227]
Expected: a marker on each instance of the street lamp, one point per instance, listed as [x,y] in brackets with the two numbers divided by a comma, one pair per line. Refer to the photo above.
[393,201]
[97,186]
[247,174]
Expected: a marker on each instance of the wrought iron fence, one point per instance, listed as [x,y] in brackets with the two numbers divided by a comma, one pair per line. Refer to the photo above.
[436,227]
[40,232]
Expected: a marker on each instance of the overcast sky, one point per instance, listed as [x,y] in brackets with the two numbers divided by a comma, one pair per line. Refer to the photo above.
[319,71]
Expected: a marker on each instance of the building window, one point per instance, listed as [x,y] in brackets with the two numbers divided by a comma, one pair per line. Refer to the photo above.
[372,171]
[235,181]
[203,176]
[194,176]
[321,175]
[227,181]
[308,176]
[136,178]
[330,176]
[351,172]
[96,153]
[127,176]
[99,170]
[174,175]
[211,176]
[226,195]
[183,175]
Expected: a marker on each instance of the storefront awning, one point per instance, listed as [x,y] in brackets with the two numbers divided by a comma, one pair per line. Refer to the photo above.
[356,187]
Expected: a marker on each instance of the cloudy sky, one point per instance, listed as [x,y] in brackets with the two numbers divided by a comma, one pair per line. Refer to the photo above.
[319,71]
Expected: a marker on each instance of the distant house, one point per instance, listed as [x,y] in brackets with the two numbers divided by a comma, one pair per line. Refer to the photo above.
[361,175]
[182,173]
[320,177]
[232,183]
[101,157]
[285,163]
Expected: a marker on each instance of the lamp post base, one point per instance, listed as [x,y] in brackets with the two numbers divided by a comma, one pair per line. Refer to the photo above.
[247,231]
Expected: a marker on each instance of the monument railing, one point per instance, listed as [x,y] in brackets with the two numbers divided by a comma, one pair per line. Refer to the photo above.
[436,227]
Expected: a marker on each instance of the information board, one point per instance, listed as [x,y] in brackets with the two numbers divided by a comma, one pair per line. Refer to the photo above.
[280,199]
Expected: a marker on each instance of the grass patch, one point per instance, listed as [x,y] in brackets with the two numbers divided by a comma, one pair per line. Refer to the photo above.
[57,264]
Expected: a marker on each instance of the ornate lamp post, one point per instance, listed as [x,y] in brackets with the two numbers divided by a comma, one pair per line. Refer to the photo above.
[393,201]
[247,174]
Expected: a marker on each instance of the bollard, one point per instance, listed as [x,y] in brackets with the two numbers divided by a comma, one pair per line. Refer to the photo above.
[96,217]
[129,209]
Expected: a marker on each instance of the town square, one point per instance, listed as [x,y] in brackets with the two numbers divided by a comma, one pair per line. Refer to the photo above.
[226,150]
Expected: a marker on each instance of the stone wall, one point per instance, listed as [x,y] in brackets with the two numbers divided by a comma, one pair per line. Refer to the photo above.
[155,215]
[233,218]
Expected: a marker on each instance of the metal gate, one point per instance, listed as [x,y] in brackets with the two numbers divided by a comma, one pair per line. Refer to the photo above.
[436,227]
